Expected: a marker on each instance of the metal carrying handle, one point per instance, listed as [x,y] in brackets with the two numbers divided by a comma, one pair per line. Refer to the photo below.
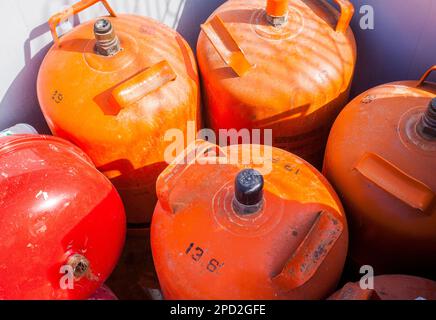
[229,50]
[60,17]
[317,244]
[347,12]
[147,81]
[226,46]
[396,182]
[426,75]
[167,180]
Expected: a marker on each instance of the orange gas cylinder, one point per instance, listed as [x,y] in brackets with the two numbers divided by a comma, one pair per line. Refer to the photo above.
[390,287]
[226,231]
[381,157]
[284,65]
[114,86]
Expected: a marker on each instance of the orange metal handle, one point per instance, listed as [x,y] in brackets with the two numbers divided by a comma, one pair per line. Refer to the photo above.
[310,254]
[60,17]
[426,75]
[167,180]
[144,83]
[396,182]
[226,46]
[347,12]
[277,8]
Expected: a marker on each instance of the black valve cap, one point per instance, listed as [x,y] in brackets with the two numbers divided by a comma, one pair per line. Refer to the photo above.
[249,187]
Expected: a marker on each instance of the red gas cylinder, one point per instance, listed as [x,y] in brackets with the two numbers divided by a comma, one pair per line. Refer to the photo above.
[390,287]
[381,158]
[226,231]
[284,65]
[114,86]
[62,223]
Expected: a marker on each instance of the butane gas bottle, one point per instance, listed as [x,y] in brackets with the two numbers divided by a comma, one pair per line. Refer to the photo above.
[62,223]
[228,231]
[114,86]
[381,157]
[389,287]
[284,65]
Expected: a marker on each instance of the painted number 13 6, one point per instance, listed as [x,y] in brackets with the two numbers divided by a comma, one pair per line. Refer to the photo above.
[197,253]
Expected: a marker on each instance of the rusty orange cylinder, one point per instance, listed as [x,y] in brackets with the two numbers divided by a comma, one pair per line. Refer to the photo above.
[389,287]
[114,86]
[223,230]
[381,158]
[280,65]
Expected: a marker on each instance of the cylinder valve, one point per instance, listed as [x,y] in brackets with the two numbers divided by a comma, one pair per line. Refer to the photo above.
[248,192]
[107,41]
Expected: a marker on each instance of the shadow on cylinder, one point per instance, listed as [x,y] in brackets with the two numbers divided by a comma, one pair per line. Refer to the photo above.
[238,230]
[283,65]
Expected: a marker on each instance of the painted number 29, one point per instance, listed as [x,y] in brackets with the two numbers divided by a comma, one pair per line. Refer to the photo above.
[57,97]
[196,253]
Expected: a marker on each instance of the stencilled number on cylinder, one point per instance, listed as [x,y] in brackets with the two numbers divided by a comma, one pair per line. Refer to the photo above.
[197,253]
[57,97]
[213,265]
